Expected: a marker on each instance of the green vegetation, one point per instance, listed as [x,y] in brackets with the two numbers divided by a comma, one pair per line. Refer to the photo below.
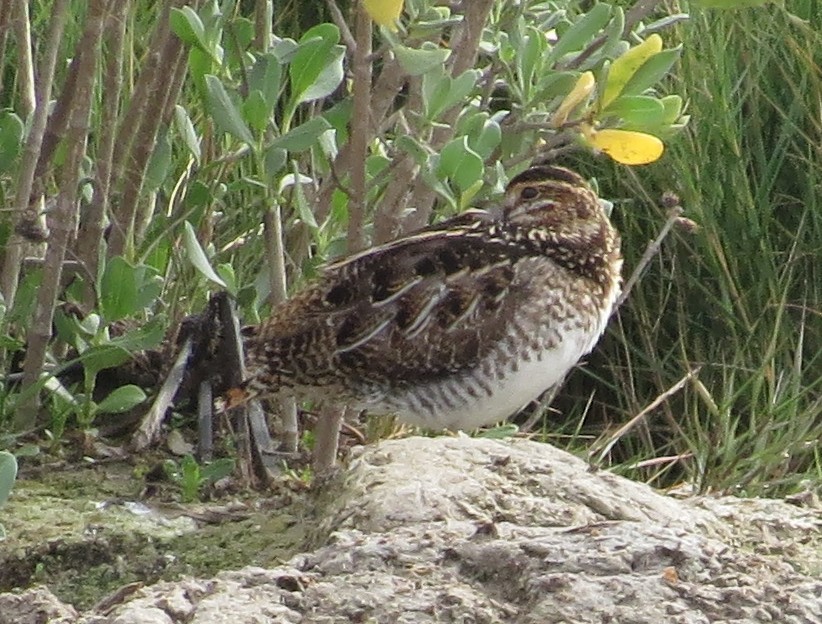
[738,299]
[197,152]
[192,478]
[8,472]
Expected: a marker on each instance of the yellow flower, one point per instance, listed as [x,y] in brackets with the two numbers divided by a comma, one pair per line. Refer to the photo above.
[384,12]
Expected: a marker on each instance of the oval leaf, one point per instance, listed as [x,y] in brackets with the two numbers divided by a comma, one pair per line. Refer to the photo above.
[118,290]
[623,68]
[578,35]
[122,399]
[187,25]
[652,71]
[302,137]
[329,78]
[311,58]
[8,473]
[419,61]
[11,139]
[673,108]
[224,112]
[198,257]
[636,111]
[627,147]
[187,131]
[582,90]
[460,163]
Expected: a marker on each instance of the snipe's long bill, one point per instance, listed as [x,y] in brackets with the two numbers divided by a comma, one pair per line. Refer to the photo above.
[457,325]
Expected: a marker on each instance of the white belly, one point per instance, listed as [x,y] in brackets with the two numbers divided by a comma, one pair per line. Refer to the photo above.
[491,392]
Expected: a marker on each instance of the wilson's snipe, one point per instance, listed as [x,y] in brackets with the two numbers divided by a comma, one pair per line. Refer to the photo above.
[456,325]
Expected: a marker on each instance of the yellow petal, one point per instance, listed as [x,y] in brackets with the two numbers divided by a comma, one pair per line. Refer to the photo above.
[627,147]
[384,12]
[626,66]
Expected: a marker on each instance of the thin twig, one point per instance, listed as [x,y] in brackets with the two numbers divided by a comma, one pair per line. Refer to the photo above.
[277,281]
[615,437]
[90,232]
[653,248]
[15,247]
[339,21]
[359,131]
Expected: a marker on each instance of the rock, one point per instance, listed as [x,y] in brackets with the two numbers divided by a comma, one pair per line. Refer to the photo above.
[34,606]
[474,530]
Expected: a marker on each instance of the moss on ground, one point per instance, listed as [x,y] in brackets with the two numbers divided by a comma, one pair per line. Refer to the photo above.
[85,531]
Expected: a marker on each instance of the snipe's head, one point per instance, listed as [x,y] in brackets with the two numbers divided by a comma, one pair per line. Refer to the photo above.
[558,201]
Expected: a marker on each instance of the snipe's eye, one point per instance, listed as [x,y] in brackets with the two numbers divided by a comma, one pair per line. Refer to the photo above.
[529,192]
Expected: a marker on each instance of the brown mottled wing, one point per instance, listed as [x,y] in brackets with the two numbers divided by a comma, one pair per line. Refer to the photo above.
[411,310]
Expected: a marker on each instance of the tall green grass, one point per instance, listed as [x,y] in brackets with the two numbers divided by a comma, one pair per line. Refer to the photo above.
[741,298]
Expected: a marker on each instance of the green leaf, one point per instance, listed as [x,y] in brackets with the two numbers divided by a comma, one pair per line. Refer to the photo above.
[224,112]
[159,165]
[488,140]
[461,87]
[411,146]
[530,59]
[435,86]
[101,357]
[637,111]
[328,79]
[149,286]
[226,272]
[581,32]
[119,350]
[441,92]
[147,336]
[198,257]
[118,290]
[673,108]
[241,30]
[187,25]
[460,163]
[499,433]
[316,64]
[256,111]
[274,160]
[651,72]
[200,64]
[732,4]
[8,473]
[122,399]
[266,77]
[216,470]
[302,137]
[555,84]
[418,61]
[614,45]
[187,131]
[284,50]
[11,139]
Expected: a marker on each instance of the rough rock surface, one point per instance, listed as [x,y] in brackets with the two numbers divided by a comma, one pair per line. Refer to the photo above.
[472,530]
